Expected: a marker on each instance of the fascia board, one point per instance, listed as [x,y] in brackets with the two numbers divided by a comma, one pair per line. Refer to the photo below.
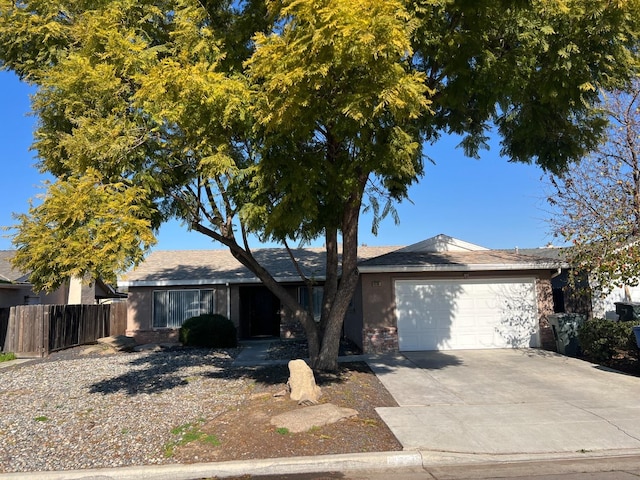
[204,281]
[15,286]
[458,268]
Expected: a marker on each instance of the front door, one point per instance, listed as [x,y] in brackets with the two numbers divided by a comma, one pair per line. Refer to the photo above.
[259,313]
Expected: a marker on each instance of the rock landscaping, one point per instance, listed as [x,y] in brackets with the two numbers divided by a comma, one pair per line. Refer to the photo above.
[93,407]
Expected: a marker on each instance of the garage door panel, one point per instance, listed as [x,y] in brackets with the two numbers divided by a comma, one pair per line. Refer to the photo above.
[466,314]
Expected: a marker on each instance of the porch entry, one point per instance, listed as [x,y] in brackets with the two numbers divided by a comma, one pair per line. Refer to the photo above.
[259,313]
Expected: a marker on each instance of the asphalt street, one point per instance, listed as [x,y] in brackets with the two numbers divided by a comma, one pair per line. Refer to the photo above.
[601,468]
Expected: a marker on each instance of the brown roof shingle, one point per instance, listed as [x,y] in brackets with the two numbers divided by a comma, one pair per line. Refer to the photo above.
[464,261]
[219,266]
[7,272]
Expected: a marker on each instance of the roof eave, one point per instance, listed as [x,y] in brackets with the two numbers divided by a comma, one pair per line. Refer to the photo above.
[14,285]
[206,281]
[457,268]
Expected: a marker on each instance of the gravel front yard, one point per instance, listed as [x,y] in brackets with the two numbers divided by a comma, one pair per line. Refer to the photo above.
[77,411]
[109,410]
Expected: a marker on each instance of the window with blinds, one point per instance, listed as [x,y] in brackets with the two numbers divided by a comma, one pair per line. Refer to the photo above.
[172,307]
[315,302]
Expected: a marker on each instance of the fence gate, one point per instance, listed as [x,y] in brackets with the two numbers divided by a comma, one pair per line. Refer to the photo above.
[25,331]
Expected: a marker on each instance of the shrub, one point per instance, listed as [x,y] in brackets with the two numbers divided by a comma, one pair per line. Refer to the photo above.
[8,356]
[209,330]
[601,340]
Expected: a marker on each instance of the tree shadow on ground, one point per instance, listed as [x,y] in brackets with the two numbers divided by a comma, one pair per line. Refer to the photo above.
[419,360]
[163,371]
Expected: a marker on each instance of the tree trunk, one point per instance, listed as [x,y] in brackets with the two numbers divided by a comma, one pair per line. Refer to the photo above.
[323,339]
[330,347]
[299,313]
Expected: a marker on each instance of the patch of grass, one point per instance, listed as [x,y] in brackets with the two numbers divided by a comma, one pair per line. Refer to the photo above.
[370,422]
[8,356]
[187,433]
[41,418]
[282,431]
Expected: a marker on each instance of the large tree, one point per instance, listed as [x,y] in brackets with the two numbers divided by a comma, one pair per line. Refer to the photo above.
[283,120]
[596,202]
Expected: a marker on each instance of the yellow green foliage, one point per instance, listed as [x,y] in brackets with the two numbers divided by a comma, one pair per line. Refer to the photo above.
[103,234]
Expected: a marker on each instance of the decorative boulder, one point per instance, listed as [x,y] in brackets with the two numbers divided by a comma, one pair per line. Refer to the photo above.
[302,383]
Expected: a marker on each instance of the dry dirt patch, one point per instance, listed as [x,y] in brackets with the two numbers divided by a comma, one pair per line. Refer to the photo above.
[245,432]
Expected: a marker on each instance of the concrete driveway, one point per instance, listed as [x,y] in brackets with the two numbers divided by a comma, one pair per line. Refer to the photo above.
[508,402]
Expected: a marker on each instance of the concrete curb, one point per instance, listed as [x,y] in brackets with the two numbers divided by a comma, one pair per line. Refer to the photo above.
[274,466]
[375,461]
[433,458]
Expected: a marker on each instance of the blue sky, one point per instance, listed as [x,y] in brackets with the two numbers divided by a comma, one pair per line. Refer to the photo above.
[489,201]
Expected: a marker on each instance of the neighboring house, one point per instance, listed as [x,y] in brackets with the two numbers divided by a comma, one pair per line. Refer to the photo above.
[581,298]
[569,296]
[438,294]
[15,289]
[605,307]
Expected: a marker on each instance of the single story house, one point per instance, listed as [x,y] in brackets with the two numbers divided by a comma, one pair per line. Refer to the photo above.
[439,294]
[15,289]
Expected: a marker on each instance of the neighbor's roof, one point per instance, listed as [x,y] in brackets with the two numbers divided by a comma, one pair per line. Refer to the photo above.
[7,272]
[13,278]
[555,253]
[207,267]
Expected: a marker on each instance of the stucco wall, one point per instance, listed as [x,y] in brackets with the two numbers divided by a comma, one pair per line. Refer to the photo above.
[10,297]
[13,296]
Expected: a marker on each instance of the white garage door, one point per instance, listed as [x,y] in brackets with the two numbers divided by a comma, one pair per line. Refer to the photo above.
[466,314]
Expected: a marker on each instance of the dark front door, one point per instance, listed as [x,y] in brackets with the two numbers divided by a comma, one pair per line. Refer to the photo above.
[259,313]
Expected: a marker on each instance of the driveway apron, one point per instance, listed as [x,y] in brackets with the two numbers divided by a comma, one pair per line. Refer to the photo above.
[508,402]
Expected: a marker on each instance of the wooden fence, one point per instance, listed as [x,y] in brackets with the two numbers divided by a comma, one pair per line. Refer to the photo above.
[37,330]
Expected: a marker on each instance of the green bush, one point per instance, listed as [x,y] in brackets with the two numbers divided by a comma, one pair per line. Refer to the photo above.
[602,339]
[8,356]
[209,330]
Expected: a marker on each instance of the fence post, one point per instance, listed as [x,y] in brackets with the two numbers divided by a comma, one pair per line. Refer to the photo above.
[46,327]
[9,341]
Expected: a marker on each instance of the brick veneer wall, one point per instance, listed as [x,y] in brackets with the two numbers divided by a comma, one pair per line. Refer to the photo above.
[154,336]
[290,328]
[380,340]
[547,340]
[545,307]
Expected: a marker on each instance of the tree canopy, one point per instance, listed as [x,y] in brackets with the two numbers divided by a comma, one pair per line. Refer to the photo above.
[596,202]
[283,118]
